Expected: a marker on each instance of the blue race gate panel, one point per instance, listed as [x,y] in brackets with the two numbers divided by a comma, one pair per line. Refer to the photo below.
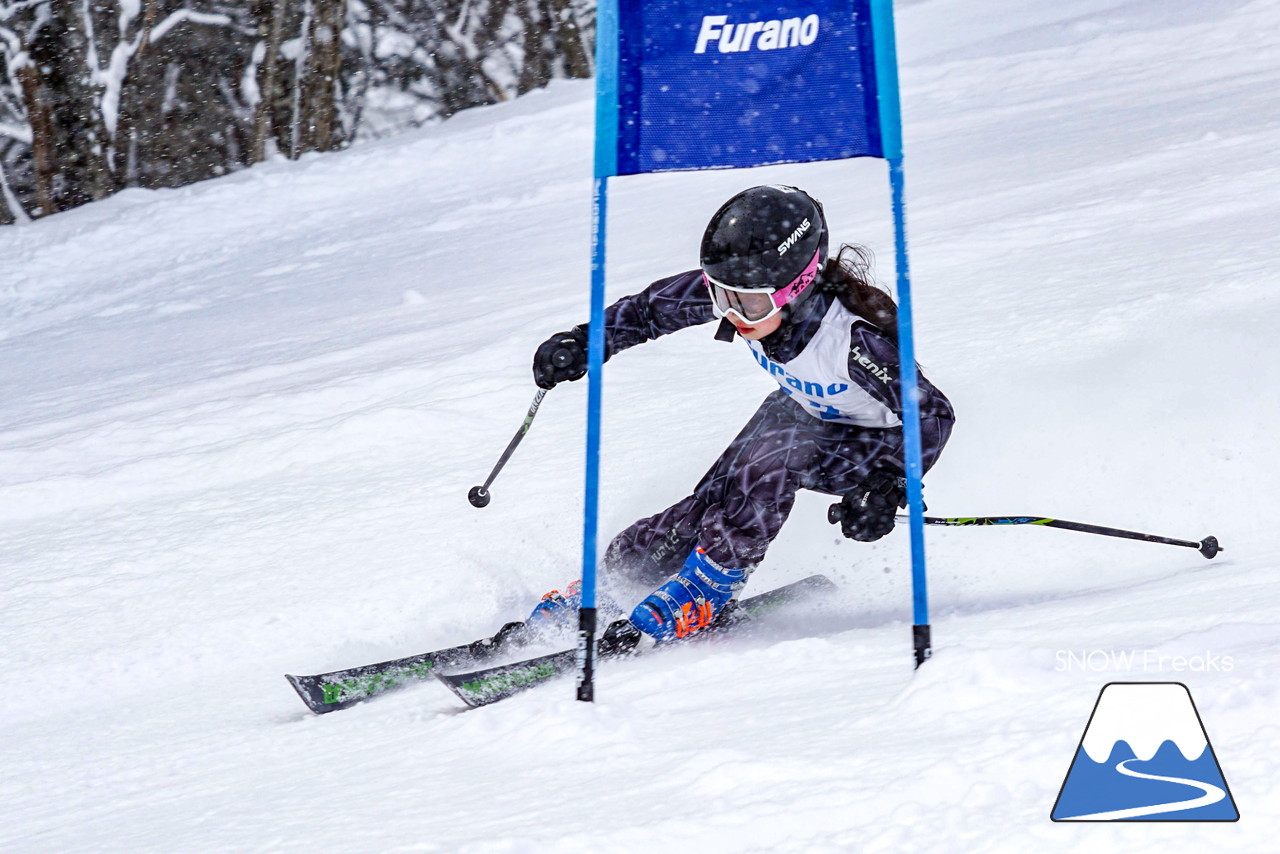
[727,83]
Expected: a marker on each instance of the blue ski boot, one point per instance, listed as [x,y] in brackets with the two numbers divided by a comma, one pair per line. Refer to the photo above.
[558,611]
[691,600]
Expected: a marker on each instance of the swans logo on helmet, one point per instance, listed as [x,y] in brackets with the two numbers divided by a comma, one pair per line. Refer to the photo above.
[795,235]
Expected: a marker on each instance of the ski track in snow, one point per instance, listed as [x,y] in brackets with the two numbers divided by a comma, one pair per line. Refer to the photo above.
[241,419]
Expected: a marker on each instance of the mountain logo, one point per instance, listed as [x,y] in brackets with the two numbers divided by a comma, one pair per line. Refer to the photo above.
[1145,756]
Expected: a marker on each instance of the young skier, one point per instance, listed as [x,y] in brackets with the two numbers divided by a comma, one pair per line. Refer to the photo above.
[829,338]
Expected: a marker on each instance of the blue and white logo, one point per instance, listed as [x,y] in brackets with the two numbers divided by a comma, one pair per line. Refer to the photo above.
[1145,756]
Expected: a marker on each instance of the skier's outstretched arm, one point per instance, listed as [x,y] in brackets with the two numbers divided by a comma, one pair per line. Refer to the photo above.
[666,306]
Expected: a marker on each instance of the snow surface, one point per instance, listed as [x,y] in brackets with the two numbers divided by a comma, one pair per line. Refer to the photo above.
[240,420]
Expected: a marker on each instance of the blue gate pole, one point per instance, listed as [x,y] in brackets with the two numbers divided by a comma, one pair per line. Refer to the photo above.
[606,157]
[591,510]
[912,446]
[886,62]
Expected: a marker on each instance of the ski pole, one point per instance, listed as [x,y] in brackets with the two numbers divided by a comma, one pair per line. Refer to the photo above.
[1208,546]
[479,495]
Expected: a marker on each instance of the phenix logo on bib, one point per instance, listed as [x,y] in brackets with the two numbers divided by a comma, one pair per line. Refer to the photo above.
[773,35]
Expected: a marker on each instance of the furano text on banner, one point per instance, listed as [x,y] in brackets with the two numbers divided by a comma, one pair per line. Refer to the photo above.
[732,38]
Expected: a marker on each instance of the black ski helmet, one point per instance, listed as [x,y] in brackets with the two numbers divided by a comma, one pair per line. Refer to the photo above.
[765,237]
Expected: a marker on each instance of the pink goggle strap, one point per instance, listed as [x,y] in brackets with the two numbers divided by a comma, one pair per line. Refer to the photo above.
[786,294]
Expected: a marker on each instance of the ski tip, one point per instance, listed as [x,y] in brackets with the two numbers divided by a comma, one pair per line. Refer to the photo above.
[455,684]
[817,583]
[300,685]
[482,687]
[479,688]
[312,695]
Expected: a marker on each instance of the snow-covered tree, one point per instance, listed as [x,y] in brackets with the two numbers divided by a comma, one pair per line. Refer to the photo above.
[98,95]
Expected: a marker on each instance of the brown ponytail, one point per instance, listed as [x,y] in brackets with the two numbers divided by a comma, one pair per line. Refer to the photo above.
[848,276]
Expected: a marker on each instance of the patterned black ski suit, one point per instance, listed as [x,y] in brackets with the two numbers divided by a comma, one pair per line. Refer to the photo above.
[740,504]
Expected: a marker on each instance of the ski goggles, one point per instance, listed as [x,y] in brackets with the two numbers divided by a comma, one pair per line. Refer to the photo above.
[756,304]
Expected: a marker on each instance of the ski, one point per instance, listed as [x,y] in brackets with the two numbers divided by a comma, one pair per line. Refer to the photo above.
[482,687]
[329,692]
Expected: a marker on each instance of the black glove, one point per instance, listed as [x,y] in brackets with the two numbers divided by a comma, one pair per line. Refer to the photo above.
[561,357]
[867,513]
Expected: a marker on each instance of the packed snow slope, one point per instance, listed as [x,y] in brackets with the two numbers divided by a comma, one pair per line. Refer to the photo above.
[240,421]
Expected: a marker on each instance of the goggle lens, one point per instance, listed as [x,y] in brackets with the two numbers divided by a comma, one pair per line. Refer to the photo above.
[751,306]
